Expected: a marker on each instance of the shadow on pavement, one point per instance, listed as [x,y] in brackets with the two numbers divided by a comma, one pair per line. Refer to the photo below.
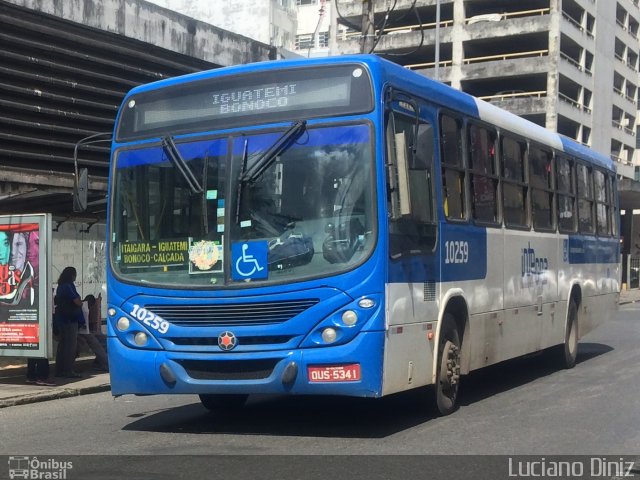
[345,417]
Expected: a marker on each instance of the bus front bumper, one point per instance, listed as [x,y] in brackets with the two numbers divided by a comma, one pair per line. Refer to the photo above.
[297,372]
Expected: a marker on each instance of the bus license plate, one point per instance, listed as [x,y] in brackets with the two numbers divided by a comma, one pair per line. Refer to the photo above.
[336,373]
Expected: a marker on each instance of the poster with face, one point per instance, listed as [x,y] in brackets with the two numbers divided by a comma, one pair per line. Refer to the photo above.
[24,315]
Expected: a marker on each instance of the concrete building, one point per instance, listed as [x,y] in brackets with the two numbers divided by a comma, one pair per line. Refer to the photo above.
[66,65]
[568,65]
[268,21]
[316,18]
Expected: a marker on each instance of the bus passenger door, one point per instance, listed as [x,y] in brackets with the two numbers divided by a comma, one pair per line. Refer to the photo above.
[410,289]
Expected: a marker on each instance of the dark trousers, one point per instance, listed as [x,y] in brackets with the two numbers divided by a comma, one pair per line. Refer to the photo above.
[67,344]
[37,368]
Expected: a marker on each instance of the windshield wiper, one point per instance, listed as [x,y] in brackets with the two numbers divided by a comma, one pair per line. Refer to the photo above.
[279,146]
[172,152]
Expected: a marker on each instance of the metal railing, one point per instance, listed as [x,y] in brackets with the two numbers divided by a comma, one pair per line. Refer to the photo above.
[509,96]
[622,127]
[575,63]
[405,29]
[521,13]
[574,103]
[624,95]
[443,63]
[576,24]
[506,56]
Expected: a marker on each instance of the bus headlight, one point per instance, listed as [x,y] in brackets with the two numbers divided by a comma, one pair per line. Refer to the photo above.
[367,303]
[329,335]
[123,324]
[349,318]
[140,339]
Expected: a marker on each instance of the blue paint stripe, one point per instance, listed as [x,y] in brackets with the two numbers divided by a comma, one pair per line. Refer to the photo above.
[580,151]
[156,155]
[582,249]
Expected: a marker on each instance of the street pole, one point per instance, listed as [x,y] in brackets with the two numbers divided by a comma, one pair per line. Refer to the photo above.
[437,72]
[368,32]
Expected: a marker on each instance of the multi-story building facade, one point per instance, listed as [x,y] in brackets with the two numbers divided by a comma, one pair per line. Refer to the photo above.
[568,65]
[268,21]
[316,20]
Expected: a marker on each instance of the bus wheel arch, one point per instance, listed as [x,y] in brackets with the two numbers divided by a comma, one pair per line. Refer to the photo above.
[449,355]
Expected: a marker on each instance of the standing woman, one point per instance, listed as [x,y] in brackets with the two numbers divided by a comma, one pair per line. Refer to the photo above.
[68,317]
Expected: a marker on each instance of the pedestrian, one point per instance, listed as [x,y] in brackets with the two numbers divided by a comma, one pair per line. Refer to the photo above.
[68,319]
[86,335]
[38,372]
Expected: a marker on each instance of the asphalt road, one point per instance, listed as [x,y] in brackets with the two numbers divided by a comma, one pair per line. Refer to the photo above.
[522,407]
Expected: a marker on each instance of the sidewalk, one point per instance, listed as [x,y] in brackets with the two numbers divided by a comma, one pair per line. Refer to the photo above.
[629,296]
[15,391]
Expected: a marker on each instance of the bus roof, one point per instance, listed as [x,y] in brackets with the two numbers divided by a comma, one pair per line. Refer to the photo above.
[385,71]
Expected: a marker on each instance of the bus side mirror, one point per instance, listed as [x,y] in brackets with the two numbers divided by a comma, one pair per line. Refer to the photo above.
[80,191]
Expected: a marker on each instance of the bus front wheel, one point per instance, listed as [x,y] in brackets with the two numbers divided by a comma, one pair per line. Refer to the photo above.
[448,371]
[213,402]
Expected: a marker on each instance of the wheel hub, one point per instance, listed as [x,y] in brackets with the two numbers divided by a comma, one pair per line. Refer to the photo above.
[451,357]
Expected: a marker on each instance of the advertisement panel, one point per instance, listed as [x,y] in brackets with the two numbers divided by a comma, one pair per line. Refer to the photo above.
[25,293]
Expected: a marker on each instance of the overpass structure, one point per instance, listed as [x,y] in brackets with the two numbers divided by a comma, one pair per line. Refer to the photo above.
[65,66]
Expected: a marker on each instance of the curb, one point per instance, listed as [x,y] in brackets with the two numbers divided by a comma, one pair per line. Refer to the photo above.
[53,395]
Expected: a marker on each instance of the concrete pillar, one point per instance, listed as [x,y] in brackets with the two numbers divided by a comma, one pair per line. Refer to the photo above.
[555,12]
[457,34]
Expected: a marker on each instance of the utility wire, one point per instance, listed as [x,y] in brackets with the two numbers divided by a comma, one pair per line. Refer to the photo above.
[421,39]
[344,21]
[383,26]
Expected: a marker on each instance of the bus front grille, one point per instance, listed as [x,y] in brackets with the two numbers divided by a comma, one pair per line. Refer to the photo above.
[194,315]
[228,369]
[213,341]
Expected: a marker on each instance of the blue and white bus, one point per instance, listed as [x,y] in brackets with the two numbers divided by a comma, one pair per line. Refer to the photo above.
[344,226]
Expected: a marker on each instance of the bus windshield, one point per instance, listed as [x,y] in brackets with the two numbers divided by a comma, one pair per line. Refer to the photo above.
[182,214]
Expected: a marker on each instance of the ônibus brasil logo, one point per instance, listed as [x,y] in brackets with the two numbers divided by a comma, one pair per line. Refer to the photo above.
[41,469]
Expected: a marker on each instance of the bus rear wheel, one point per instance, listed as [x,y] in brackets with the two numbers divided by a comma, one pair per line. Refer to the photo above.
[217,402]
[567,353]
[448,371]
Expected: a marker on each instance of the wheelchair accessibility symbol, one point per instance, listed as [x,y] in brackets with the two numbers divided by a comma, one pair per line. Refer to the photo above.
[249,260]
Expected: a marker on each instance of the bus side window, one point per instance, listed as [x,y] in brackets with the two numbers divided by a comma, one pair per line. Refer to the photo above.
[453,173]
[566,196]
[542,188]
[514,187]
[613,194]
[602,203]
[585,199]
[482,170]
[414,232]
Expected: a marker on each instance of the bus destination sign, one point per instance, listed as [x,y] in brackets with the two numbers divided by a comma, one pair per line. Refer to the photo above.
[154,254]
[247,99]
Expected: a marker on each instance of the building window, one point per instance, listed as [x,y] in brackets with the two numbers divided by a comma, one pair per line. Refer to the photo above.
[306,2]
[323,39]
[304,41]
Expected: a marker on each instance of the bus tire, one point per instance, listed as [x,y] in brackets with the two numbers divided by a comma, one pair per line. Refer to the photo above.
[217,402]
[568,351]
[448,368]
